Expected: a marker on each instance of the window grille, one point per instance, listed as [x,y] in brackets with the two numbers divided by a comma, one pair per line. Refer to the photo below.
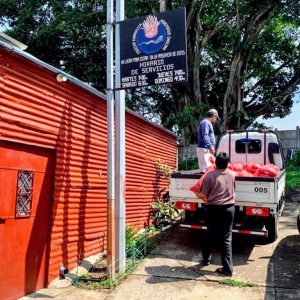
[24,193]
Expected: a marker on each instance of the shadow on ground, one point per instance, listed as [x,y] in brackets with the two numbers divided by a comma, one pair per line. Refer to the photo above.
[180,257]
[284,268]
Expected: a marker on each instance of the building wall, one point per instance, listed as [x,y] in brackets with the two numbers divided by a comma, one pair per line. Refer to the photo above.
[290,139]
[37,110]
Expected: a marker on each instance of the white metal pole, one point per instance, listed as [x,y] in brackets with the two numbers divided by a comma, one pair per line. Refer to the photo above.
[120,151]
[111,250]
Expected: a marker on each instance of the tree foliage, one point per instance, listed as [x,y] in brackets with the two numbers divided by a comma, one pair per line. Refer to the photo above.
[244,60]
[243,55]
[67,34]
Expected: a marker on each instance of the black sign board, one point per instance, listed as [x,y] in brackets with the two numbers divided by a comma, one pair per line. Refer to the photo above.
[153,50]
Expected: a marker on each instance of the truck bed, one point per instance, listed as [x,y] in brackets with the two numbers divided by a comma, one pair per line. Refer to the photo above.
[249,190]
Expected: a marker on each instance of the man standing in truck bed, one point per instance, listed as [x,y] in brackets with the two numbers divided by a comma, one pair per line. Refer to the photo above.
[218,191]
[206,140]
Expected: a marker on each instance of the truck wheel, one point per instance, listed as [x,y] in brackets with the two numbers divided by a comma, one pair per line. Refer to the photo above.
[298,222]
[272,227]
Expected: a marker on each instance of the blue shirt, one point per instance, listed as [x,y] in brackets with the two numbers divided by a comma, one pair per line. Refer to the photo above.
[206,136]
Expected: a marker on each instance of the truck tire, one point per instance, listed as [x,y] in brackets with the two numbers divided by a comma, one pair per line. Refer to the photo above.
[272,227]
[298,222]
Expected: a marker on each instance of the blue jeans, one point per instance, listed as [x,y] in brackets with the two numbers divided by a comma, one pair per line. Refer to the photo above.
[219,224]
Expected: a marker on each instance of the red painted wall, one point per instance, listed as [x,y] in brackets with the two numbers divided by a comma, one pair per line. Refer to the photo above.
[37,110]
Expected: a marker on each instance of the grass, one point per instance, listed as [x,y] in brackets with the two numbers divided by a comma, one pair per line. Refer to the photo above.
[292,178]
[108,283]
[86,281]
[237,283]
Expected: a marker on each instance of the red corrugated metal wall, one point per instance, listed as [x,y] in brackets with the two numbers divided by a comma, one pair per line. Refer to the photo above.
[37,110]
[144,145]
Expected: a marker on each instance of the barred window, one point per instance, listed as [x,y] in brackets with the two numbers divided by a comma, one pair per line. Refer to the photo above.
[24,193]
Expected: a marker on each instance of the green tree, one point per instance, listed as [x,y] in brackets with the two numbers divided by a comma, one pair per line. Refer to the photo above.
[67,34]
[244,60]
[243,55]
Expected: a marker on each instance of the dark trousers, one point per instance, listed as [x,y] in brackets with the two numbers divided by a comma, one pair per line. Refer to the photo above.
[219,225]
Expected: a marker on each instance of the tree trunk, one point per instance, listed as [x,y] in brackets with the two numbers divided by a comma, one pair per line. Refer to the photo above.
[196,70]
[228,97]
[162,5]
[165,5]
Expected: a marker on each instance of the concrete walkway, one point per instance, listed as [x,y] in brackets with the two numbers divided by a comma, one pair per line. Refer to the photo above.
[172,270]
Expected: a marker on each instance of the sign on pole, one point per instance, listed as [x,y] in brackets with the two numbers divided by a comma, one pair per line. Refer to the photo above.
[153,50]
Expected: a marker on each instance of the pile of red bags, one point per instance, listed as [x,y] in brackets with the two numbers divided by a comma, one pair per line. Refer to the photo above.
[240,169]
[254,170]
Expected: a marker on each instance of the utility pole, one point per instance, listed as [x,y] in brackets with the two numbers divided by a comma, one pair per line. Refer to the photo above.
[111,247]
[116,151]
[120,150]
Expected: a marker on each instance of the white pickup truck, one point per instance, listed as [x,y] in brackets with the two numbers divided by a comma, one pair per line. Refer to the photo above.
[259,201]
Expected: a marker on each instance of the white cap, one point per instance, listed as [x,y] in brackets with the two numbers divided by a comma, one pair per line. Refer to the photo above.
[213,112]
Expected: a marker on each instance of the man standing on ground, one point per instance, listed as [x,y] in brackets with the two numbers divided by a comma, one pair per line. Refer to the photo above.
[206,140]
[218,191]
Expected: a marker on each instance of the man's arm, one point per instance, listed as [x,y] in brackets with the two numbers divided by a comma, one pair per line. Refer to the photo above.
[204,190]
[201,196]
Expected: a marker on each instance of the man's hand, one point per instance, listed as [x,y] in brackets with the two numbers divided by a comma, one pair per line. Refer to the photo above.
[201,196]
[212,150]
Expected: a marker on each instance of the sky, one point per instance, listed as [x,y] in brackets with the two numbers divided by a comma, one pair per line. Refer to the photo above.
[289,122]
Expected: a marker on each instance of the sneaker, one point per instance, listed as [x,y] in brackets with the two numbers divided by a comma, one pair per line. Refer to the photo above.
[223,272]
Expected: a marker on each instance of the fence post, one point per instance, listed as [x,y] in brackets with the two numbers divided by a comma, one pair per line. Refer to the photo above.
[145,248]
[133,251]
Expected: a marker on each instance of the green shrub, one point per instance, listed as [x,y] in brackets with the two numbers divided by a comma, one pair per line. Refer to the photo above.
[134,243]
[297,158]
[164,212]
[188,164]
[292,178]
[295,162]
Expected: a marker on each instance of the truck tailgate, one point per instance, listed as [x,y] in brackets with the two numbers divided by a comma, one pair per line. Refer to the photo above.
[260,189]
[248,189]
[180,186]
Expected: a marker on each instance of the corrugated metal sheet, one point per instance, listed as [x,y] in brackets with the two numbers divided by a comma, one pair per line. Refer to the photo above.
[37,110]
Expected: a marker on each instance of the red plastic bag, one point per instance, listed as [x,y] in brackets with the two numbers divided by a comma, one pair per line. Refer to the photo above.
[238,166]
[245,173]
[230,166]
[253,167]
[210,168]
[212,159]
[197,186]
[268,171]
[273,167]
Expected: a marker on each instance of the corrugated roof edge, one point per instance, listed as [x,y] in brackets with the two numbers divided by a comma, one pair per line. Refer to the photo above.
[75,81]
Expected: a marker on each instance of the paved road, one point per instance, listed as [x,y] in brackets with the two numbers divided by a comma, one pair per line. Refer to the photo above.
[172,270]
